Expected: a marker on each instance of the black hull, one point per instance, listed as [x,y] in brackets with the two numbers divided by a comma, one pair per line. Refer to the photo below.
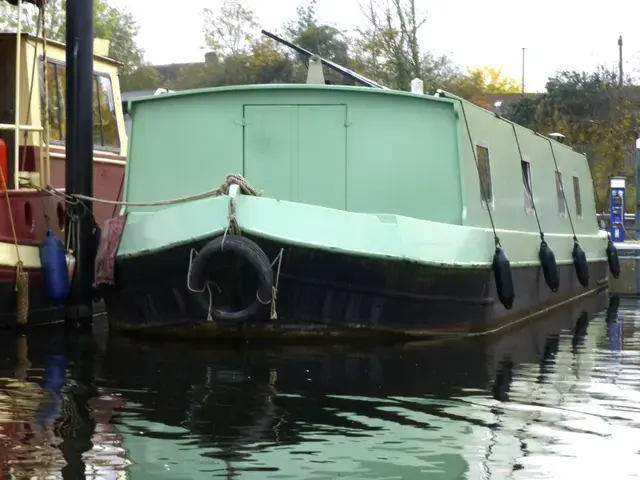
[330,292]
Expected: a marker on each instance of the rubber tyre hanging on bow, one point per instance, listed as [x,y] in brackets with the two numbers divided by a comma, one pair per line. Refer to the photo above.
[549,266]
[580,264]
[249,251]
[504,281]
[613,260]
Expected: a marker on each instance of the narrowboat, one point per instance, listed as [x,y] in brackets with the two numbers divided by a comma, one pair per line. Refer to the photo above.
[32,160]
[344,210]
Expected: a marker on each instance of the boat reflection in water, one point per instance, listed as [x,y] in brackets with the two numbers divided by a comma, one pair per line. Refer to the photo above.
[53,422]
[479,407]
[404,411]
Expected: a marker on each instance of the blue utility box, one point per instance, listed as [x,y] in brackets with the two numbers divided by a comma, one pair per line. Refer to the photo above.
[617,207]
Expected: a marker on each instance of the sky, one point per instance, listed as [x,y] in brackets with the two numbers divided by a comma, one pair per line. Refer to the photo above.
[557,34]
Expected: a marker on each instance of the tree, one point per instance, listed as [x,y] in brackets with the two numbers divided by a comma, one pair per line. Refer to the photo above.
[143,78]
[267,64]
[325,40]
[235,57]
[118,26]
[389,51]
[595,115]
[263,63]
[122,29]
[229,31]
[481,81]
[389,43]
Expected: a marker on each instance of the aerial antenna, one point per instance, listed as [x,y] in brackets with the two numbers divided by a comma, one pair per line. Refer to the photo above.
[367,82]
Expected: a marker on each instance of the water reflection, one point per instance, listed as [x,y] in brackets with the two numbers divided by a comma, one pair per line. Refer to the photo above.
[556,397]
[51,418]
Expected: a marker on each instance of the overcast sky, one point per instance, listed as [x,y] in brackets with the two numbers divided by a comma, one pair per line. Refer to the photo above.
[558,34]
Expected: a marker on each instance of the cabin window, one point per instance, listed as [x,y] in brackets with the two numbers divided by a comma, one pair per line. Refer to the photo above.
[484,172]
[528,189]
[562,208]
[105,126]
[55,78]
[576,196]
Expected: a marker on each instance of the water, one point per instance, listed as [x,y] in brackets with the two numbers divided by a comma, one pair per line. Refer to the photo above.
[557,398]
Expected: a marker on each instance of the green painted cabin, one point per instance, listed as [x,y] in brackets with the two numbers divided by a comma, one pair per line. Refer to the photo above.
[364,150]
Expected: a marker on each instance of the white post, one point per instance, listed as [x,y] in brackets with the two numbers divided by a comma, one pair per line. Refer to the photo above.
[18,63]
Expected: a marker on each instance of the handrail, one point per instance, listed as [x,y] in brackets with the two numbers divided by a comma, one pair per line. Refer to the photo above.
[21,128]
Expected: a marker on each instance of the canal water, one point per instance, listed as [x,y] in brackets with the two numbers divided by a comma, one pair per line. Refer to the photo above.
[555,398]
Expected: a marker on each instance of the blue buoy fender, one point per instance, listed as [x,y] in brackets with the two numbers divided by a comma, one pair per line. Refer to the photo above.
[613,260]
[54,269]
[504,282]
[549,266]
[580,264]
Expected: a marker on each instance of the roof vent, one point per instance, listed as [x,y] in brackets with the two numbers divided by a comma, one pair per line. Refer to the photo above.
[417,86]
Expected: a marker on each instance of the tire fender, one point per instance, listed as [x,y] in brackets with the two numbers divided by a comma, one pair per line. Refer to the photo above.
[253,254]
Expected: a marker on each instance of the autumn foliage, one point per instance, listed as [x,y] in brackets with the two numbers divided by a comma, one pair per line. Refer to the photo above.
[598,118]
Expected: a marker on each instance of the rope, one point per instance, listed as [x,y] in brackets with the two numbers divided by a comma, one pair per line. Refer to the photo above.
[207,286]
[628,236]
[482,190]
[533,202]
[13,226]
[564,197]
[40,25]
[39,22]
[22,279]
[22,295]
[274,313]
[245,188]
[47,131]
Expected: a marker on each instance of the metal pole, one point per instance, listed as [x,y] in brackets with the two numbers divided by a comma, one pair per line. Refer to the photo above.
[79,171]
[620,60]
[523,50]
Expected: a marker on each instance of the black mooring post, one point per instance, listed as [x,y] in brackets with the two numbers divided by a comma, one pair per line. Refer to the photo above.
[79,144]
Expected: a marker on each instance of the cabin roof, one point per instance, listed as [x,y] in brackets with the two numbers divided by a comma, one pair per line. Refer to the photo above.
[30,36]
[127,96]
[473,105]
[289,86]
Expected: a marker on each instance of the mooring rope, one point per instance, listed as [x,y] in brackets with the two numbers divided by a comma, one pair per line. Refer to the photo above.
[232,179]
[192,254]
[533,202]
[22,278]
[39,24]
[564,197]
[482,189]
